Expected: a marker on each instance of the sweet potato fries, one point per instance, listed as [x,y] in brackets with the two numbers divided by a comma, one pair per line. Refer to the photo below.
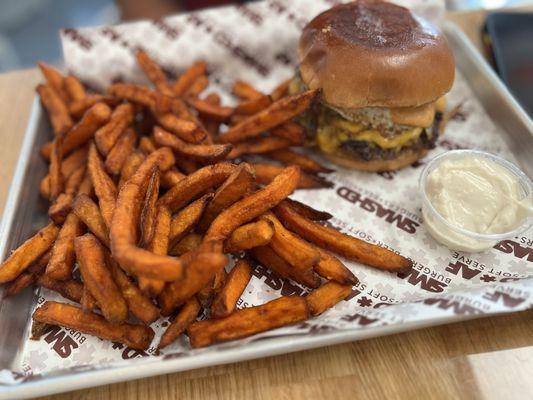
[150,198]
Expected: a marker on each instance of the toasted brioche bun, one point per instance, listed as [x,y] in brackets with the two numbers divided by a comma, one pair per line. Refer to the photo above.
[371,53]
[404,159]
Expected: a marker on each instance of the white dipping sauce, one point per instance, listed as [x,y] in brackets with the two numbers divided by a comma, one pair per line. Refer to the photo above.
[476,194]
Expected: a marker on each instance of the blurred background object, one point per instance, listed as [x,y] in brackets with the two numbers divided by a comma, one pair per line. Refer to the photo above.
[507,41]
[459,5]
[29,28]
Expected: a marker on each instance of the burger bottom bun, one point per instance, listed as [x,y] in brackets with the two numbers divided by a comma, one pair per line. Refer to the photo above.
[405,158]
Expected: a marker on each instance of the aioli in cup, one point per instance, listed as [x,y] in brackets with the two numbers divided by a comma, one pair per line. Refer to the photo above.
[471,200]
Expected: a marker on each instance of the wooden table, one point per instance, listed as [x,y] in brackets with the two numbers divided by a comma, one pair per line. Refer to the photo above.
[489,358]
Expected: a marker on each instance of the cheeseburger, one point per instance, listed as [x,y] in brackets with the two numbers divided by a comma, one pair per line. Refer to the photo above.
[383,73]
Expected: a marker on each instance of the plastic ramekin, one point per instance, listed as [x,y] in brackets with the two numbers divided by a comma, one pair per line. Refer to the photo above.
[457,238]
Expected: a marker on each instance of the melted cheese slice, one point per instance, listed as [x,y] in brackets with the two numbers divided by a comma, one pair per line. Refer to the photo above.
[398,141]
[354,131]
[326,139]
[330,137]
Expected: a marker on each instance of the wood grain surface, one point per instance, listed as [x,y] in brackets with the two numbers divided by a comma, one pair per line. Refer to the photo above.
[490,358]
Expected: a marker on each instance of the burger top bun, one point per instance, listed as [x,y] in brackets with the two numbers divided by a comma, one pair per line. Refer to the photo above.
[371,53]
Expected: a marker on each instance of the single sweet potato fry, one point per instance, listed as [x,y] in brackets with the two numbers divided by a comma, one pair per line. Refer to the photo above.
[211,126]
[138,304]
[83,131]
[198,86]
[250,107]
[166,159]
[153,72]
[107,135]
[171,178]
[226,299]
[189,243]
[281,90]
[85,186]
[274,115]
[308,211]
[74,88]
[71,290]
[157,245]
[28,277]
[196,184]
[120,152]
[204,153]
[187,218]
[248,236]
[198,273]
[293,132]
[184,82]
[289,157]
[57,109]
[79,107]
[245,91]
[207,293]
[160,239]
[69,165]
[63,254]
[38,329]
[134,93]
[149,209]
[326,296]
[269,259]
[344,245]
[78,182]
[331,268]
[89,213]
[180,109]
[130,166]
[147,145]
[56,177]
[105,189]
[189,131]
[55,79]
[124,229]
[297,252]
[98,278]
[135,336]
[87,301]
[27,253]
[210,110]
[265,173]
[186,316]
[254,205]
[258,146]
[168,178]
[239,184]
[62,206]
[173,105]
[245,322]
